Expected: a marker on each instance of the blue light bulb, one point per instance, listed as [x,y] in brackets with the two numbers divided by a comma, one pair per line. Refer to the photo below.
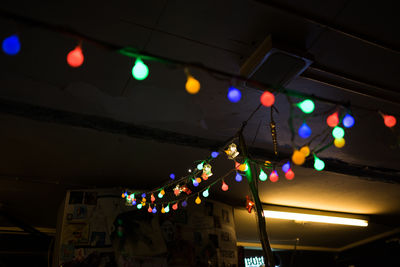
[234,94]
[348,121]
[11,45]
[304,131]
[214,154]
[184,203]
[154,210]
[238,177]
[172,176]
[144,195]
[286,167]
[195,183]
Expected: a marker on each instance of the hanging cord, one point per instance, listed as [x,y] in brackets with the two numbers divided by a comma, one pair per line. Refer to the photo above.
[274,136]
[294,251]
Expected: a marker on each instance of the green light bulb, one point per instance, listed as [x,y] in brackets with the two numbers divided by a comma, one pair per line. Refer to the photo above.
[140,71]
[338,132]
[166,209]
[200,166]
[307,106]
[160,195]
[206,193]
[319,165]
[263,176]
[139,206]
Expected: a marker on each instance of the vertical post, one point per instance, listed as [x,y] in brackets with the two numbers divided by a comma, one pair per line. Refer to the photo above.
[259,210]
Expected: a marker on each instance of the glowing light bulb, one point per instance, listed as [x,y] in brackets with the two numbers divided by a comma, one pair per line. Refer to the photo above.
[198,179]
[238,177]
[154,210]
[307,106]
[305,150]
[298,157]
[200,166]
[184,203]
[133,201]
[175,206]
[339,143]
[289,174]
[242,167]
[139,206]
[150,209]
[214,154]
[195,183]
[160,195]
[286,167]
[192,85]
[163,210]
[198,200]
[206,193]
[144,199]
[11,45]
[333,119]
[152,198]
[273,177]
[144,195]
[140,71]
[224,186]
[319,165]
[263,176]
[234,94]
[75,57]
[348,121]
[123,195]
[267,99]
[172,176]
[166,209]
[304,131]
[338,132]
[162,192]
[389,120]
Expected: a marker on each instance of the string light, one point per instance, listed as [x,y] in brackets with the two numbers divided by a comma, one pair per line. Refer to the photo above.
[234,94]
[304,131]
[160,195]
[298,157]
[140,71]
[214,154]
[144,195]
[206,193]
[333,119]
[149,210]
[200,166]
[389,120]
[198,179]
[195,183]
[139,206]
[273,177]
[263,176]
[152,198]
[172,176]
[338,132]
[319,165]
[267,99]
[75,57]
[307,106]
[339,142]
[224,186]
[289,174]
[305,150]
[11,45]
[238,177]
[184,203]
[198,200]
[154,209]
[348,121]
[192,85]
[175,206]
[286,167]
[166,209]
[163,209]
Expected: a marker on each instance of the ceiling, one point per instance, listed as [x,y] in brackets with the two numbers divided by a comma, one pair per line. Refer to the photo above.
[43,155]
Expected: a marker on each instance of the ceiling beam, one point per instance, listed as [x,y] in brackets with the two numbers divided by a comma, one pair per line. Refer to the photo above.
[109,125]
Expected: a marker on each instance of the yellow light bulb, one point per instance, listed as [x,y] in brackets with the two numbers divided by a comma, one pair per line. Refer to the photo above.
[162,192]
[162,210]
[242,167]
[305,150]
[198,200]
[198,179]
[298,157]
[339,142]
[192,85]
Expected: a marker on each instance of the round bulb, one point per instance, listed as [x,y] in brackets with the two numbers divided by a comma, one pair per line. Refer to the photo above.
[242,167]
[304,131]
[195,183]
[289,174]
[338,132]
[184,203]
[389,120]
[11,45]
[200,166]
[166,209]
[123,195]
[175,206]
[307,106]
[75,57]
[192,85]
[305,150]
[214,154]
[206,193]
[160,195]
[333,119]
[274,176]
[319,165]
[286,167]
[348,121]
[198,179]
[238,177]
[134,202]
[139,206]
[172,176]
[149,209]
[234,94]
[298,157]
[152,198]
[267,99]
[140,71]
[198,200]
[162,192]
[339,142]
[162,210]
[144,195]
[154,210]
[224,186]
[263,176]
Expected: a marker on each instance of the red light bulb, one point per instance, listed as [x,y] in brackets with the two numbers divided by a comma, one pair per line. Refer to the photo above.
[224,186]
[389,120]
[333,119]
[274,176]
[289,174]
[152,198]
[237,165]
[175,206]
[150,209]
[267,99]
[75,57]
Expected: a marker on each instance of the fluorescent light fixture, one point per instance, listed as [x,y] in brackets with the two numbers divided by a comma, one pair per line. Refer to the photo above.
[314,218]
